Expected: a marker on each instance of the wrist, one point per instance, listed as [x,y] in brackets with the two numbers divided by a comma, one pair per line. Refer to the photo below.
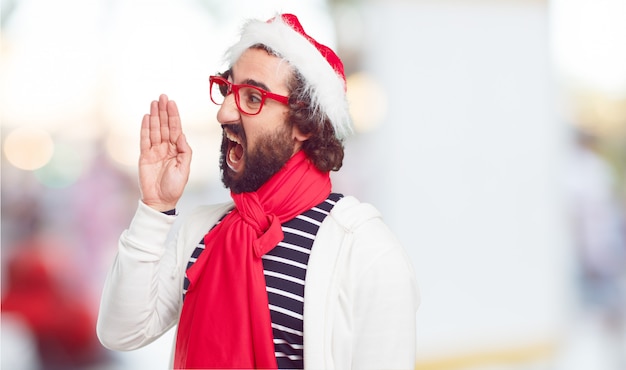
[163,208]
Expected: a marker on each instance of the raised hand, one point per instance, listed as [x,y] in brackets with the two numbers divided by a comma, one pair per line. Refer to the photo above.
[165,156]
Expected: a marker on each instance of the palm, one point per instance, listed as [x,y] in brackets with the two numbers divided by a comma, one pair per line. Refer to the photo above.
[165,156]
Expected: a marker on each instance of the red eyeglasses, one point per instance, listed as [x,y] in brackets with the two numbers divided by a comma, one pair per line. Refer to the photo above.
[249,98]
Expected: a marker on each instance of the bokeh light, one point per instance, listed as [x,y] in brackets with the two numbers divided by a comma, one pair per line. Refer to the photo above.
[123,148]
[28,148]
[64,168]
[367,100]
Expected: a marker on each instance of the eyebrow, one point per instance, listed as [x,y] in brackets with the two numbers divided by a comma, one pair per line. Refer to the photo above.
[252,82]
[230,75]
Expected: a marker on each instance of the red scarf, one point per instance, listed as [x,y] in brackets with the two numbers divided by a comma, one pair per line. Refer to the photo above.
[225,320]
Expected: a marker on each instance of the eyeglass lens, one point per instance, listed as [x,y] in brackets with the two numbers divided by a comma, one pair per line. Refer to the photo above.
[249,99]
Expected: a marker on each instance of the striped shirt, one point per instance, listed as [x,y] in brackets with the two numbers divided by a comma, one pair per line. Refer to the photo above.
[285,268]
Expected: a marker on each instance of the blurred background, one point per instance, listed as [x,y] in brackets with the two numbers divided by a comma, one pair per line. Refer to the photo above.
[491,134]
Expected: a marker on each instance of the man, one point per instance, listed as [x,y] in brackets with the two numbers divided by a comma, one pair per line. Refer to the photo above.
[289,274]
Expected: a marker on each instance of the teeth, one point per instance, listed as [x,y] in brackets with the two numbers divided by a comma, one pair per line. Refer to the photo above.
[231,137]
[231,157]
[231,167]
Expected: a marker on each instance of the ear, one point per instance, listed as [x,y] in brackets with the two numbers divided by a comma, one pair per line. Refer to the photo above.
[298,135]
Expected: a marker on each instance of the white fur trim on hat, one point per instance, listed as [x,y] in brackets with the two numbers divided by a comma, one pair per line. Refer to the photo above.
[326,87]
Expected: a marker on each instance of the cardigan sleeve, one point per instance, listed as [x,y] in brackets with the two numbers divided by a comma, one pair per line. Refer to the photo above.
[141,295]
[361,294]
[386,298]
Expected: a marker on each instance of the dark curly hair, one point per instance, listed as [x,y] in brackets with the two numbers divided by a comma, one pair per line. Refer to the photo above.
[322,147]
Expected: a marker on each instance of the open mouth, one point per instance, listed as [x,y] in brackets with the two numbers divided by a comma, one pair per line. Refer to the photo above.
[234,151]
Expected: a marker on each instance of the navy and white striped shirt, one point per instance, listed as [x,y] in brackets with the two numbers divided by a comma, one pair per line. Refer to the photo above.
[285,268]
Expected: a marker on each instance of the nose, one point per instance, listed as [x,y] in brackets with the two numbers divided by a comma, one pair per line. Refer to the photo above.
[228,112]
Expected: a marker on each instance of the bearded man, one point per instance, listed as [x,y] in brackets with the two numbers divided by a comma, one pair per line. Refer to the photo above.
[289,274]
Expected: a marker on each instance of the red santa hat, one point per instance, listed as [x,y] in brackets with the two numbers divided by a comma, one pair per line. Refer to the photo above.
[318,64]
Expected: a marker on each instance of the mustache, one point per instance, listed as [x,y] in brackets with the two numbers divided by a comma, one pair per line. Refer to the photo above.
[235,129]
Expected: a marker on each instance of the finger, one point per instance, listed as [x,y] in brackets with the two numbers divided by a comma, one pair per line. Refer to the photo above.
[184,151]
[165,131]
[155,125]
[144,136]
[175,127]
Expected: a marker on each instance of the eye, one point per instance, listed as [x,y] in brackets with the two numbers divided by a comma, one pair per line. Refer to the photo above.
[251,96]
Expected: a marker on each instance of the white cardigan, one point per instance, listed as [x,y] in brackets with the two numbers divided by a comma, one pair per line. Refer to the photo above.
[360,290]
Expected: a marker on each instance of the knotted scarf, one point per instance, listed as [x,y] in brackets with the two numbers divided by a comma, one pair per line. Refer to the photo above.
[225,320]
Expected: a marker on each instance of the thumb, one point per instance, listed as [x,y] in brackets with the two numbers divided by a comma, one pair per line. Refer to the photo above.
[184,150]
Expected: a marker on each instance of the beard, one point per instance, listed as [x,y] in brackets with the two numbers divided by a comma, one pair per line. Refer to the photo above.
[268,157]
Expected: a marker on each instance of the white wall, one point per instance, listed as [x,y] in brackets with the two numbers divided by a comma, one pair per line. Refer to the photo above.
[466,168]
